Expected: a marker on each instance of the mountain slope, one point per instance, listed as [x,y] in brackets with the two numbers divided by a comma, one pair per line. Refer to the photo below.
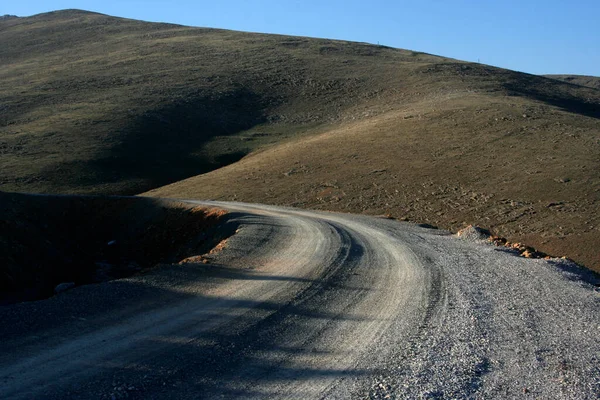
[93,103]
[96,104]
[452,163]
[581,80]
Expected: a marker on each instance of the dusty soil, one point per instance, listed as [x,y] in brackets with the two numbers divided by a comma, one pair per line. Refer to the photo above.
[525,170]
[49,240]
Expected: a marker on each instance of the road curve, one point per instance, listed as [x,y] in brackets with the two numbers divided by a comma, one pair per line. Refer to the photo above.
[304,304]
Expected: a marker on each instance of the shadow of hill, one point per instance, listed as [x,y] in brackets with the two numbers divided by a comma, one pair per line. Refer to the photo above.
[569,97]
[192,360]
[554,93]
[164,145]
[48,240]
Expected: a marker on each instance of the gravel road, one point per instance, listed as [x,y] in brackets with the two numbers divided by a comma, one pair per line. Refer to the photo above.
[304,304]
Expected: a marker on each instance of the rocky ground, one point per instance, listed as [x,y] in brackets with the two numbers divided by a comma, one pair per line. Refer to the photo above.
[303,304]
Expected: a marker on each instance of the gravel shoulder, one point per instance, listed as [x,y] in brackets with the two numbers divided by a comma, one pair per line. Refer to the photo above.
[303,304]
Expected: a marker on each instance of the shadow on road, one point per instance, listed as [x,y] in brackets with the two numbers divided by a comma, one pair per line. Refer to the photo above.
[232,360]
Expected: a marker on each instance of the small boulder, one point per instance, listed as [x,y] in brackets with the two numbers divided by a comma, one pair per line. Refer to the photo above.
[472,232]
[64,287]
[528,254]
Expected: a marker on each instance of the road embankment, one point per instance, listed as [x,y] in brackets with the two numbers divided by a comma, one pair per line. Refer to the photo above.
[52,243]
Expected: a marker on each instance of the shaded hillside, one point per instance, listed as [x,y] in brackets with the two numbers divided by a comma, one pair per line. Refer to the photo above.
[526,170]
[92,103]
[581,80]
[516,153]
[96,104]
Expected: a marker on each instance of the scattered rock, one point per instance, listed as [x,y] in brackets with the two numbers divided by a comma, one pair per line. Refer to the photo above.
[103,271]
[516,246]
[563,180]
[498,241]
[133,266]
[103,265]
[527,254]
[524,251]
[473,232]
[63,287]
[194,260]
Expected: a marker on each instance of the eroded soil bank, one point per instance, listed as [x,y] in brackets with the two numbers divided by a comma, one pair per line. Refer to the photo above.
[46,241]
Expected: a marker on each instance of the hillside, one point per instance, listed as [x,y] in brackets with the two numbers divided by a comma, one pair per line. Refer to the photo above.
[581,80]
[97,104]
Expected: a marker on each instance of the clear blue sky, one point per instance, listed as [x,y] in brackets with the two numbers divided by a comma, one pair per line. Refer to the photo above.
[535,36]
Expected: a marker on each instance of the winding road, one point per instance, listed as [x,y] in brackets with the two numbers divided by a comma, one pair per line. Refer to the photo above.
[303,304]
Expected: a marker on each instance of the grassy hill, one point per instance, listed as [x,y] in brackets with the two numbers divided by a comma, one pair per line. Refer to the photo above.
[97,104]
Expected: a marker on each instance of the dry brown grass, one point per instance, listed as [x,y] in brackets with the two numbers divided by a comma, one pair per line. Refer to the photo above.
[95,104]
[472,160]
[581,80]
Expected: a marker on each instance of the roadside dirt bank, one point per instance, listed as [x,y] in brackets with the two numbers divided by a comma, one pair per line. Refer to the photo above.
[52,243]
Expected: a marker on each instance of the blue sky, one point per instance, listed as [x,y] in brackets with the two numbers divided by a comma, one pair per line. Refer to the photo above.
[534,36]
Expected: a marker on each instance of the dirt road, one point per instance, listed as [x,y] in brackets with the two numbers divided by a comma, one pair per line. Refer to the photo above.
[303,304]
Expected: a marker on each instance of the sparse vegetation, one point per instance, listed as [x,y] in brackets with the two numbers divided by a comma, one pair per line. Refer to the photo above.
[96,104]
[581,80]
